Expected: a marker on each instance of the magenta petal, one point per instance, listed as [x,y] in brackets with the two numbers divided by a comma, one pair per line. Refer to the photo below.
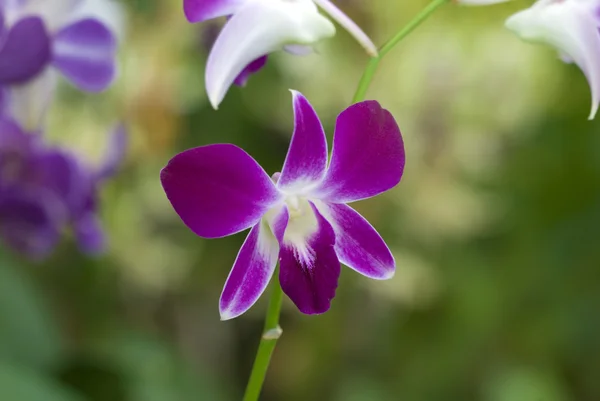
[24,51]
[85,53]
[251,273]
[202,10]
[218,190]
[250,69]
[367,157]
[306,161]
[310,277]
[357,244]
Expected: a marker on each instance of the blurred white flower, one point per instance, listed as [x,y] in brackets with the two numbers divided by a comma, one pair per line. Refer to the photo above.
[570,26]
[480,2]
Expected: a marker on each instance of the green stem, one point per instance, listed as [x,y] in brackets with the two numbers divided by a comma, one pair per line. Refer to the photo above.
[367,77]
[271,333]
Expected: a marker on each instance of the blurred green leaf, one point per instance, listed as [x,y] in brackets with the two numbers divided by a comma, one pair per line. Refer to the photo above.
[526,384]
[21,384]
[155,372]
[28,334]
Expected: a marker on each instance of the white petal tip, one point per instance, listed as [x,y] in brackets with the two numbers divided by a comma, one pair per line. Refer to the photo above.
[388,275]
[227,315]
[214,103]
[383,276]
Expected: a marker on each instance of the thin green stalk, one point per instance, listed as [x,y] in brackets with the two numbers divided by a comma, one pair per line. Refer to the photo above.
[271,333]
[369,73]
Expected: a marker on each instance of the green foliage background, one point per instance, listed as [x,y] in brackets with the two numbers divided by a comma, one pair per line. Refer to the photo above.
[495,228]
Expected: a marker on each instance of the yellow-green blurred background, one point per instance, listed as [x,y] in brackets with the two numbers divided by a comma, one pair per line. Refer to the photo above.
[495,228]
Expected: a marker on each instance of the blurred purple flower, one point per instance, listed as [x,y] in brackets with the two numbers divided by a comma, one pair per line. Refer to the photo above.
[36,34]
[45,188]
[298,216]
[256,28]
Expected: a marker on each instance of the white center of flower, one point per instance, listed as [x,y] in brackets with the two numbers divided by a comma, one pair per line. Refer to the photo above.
[302,222]
[302,225]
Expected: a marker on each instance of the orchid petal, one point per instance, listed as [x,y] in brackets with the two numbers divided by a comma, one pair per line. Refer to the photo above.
[202,10]
[250,69]
[89,234]
[53,12]
[29,103]
[259,28]
[12,137]
[10,6]
[251,273]
[112,13]
[367,157]
[306,161]
[85,53]
[4,100]
[309,268]
[341,18]
[114,154]
[61,173]
[29,224]
[218,190]
[25,52]
[572,28]
[299,50]
[357,244]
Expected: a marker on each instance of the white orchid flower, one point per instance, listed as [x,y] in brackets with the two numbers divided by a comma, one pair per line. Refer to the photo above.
[570,26]
[259,27]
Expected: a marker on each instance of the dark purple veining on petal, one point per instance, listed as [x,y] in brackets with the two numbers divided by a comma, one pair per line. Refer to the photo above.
[310,282]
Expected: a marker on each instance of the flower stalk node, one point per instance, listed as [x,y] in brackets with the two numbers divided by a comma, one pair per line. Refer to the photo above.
[272,334]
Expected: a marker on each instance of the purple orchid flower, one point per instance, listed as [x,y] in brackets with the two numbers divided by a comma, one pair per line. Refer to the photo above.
[259,27]
[43,189]
[299,216]
[36,34]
